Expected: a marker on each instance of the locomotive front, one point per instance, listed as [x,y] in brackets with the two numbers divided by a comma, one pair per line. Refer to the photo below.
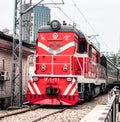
[52,82]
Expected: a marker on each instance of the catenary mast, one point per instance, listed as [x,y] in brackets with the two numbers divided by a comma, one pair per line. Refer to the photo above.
[16,83]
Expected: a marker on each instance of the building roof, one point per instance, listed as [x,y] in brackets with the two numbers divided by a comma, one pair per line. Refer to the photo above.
[10,39]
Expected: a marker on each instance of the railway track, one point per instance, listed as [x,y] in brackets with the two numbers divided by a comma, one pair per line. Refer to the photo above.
[35,113]
[76,113]
[52,113]
[7,113]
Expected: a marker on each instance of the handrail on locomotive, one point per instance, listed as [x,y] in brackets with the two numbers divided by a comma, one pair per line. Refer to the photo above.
[32,66]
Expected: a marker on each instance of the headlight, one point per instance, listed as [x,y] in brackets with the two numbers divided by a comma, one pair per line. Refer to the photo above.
[65,67]
[69,79]
[43,67]
[35,79]
[55,25]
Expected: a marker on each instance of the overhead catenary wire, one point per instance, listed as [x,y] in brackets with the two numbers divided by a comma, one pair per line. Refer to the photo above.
[78,11]
[86,20]
[62,11]
[57,16]
[81,13]
[73,20]
[83,16]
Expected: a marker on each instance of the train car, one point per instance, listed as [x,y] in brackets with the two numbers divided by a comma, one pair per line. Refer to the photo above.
[112,72]
[66,68]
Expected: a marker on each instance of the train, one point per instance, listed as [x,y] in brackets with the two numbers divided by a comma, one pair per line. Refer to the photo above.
[112,72]
[67,68]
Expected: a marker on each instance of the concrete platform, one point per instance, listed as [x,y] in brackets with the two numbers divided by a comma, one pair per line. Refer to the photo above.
[98,114]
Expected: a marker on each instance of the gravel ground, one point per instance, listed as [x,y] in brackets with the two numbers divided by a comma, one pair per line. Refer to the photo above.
[76,113]
[72,114]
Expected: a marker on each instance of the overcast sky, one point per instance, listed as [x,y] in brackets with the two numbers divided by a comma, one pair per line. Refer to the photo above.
[101,17]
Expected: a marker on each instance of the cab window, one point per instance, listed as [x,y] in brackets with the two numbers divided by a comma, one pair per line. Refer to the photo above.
[83,46]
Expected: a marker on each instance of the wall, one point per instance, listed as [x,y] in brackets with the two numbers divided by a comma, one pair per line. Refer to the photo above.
[6,65]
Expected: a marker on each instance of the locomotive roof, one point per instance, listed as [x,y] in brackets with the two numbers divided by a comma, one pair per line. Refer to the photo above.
[64,28]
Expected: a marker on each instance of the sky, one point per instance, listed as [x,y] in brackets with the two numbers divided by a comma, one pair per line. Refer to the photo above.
[92,17]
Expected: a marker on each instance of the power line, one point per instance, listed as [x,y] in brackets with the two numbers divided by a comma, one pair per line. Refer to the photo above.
[83,16]
[81,13]
[62,11]
[57,16]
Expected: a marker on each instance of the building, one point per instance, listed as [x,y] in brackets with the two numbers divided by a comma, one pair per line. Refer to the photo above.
[39,16]
[6,31]
[6,67]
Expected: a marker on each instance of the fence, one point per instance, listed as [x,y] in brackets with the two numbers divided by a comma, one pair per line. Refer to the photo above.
[104,113]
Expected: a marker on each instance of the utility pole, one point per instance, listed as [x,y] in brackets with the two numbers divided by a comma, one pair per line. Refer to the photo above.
[16,83]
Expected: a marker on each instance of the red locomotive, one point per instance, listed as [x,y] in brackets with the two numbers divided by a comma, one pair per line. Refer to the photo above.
[67,67]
